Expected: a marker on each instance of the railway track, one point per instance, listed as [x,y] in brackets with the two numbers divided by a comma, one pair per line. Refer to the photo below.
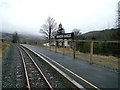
[84,82]
[34,76]
[40,73]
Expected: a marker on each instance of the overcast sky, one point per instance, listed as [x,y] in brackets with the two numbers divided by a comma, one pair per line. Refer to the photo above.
[27,16]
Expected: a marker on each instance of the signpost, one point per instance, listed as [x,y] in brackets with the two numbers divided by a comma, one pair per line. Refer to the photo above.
[67,36]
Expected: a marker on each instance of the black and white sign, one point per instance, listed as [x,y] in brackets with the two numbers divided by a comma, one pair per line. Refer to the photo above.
[65,36]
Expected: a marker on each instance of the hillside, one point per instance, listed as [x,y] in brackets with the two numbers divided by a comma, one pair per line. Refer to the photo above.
[100,35]
[9,36]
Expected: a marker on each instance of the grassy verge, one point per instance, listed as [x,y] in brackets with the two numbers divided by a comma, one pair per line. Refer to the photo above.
[4,49]
[0,52]
[106,61]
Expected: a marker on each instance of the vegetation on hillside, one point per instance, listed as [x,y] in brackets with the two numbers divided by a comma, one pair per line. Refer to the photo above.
[103,35]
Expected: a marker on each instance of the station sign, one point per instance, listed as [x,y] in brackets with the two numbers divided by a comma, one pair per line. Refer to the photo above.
[65,36]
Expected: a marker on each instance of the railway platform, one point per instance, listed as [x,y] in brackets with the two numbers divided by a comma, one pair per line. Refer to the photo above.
[89,76]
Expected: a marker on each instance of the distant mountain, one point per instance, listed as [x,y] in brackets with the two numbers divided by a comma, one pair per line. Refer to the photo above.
[30,37]
[100,35]
[9,36]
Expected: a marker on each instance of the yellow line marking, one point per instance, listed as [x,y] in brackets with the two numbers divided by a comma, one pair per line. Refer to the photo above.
[69,71]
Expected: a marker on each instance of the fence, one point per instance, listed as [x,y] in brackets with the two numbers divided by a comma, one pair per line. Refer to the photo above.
[105,53]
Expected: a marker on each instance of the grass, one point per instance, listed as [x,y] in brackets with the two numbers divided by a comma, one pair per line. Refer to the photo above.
[0,52]
[106,61]
[5,46]
[0,49]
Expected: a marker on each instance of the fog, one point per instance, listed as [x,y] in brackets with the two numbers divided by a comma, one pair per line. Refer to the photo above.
[27,16]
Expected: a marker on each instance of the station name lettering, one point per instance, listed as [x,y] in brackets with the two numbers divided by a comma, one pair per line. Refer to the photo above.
[64,36]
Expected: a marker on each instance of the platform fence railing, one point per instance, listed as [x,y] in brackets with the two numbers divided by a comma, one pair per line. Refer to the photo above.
[105,53]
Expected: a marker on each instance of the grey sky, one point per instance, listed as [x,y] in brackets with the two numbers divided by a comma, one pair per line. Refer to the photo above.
[28,15]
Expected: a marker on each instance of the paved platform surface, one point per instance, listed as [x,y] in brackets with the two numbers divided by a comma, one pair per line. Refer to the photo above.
[98,76]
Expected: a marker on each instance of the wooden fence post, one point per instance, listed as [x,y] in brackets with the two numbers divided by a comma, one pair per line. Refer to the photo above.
[91,52]
[74,49]
[56,47]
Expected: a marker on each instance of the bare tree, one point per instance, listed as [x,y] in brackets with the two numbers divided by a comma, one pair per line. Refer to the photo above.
[48,29]
[118,15]
[15,38]
[76,32]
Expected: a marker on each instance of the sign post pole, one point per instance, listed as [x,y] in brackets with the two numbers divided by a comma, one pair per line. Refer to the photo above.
[63,47]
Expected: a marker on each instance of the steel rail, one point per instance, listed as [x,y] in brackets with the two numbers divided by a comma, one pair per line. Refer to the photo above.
[25,69]
[40,71]
[58,70]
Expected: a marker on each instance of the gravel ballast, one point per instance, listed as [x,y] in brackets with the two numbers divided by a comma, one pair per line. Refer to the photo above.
[13,72]
[12,69]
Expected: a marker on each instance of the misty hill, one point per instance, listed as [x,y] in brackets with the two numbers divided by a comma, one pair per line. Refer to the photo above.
[9,36]
[100,35]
